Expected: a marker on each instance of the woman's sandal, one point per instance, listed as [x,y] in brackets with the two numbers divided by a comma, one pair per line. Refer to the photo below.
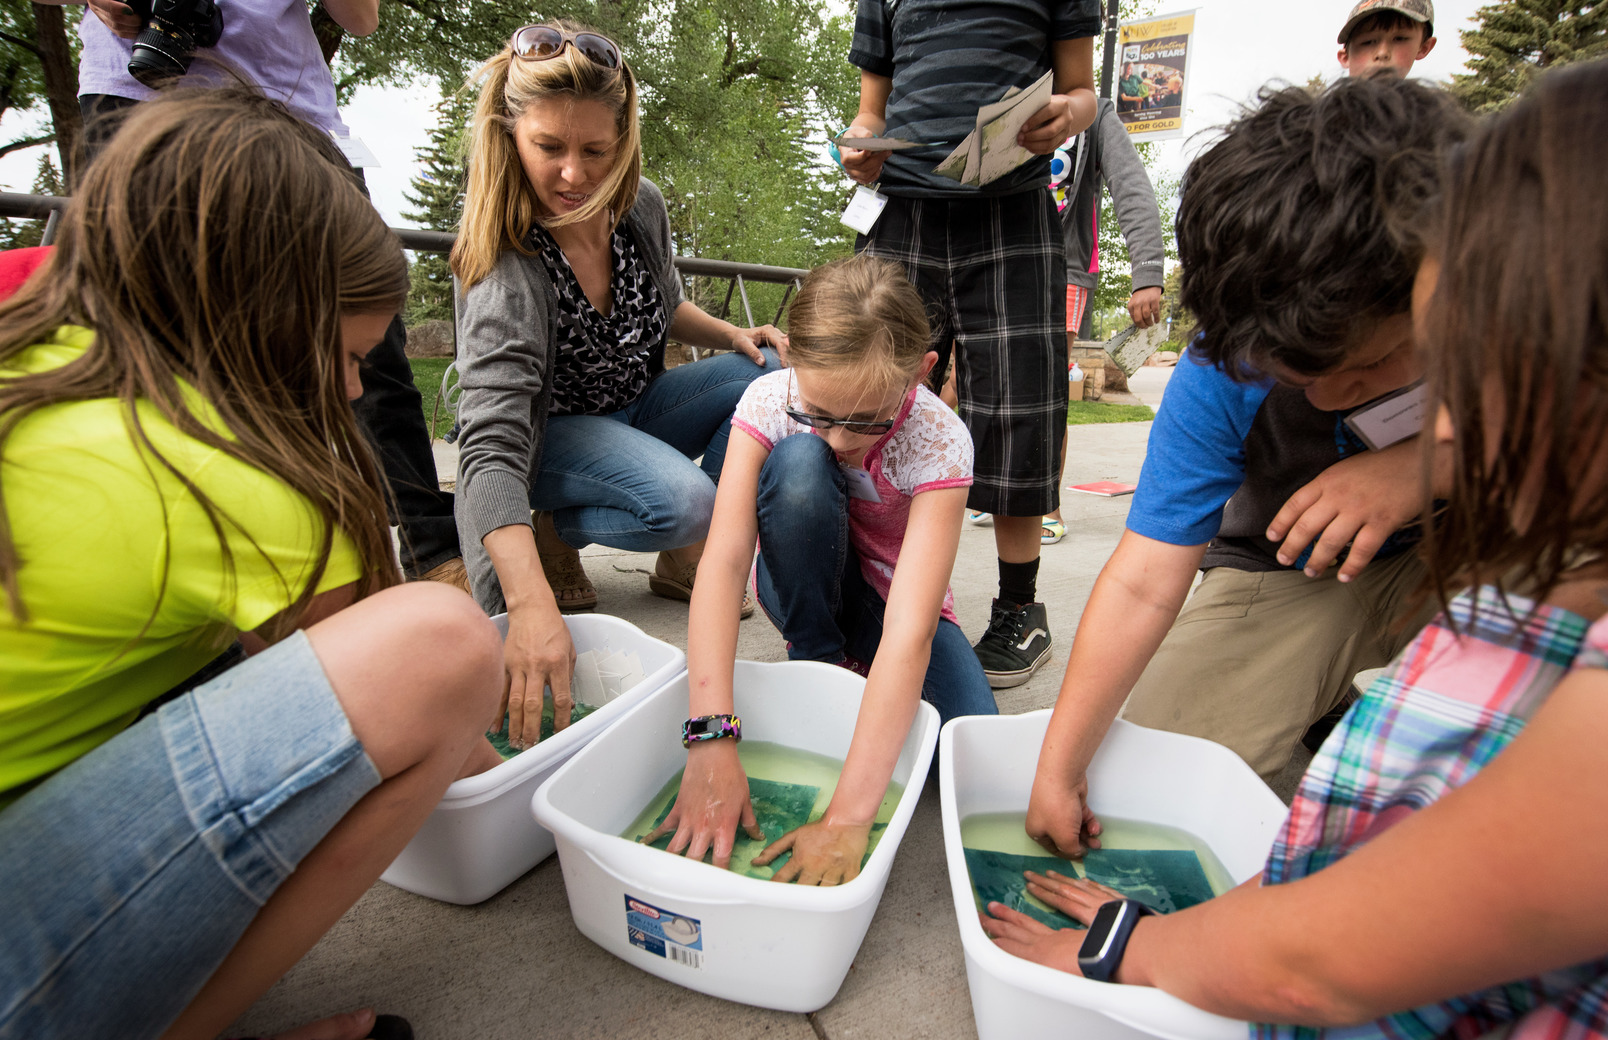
[678,583]
[572,589]
[1054,531]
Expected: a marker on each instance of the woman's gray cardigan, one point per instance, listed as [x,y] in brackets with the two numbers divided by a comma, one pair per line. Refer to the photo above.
[507,327]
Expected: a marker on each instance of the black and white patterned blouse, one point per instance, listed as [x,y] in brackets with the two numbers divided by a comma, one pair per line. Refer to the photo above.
[601,364]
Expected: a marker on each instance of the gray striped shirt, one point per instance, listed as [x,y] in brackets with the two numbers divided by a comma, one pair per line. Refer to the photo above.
[948,58]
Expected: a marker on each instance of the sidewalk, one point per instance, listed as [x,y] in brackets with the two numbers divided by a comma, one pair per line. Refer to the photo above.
[515,966]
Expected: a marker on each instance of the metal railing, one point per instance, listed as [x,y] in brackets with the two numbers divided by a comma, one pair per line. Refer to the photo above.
[737,276]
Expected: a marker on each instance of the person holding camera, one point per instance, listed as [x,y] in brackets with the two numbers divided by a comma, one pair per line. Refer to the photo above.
[131,48]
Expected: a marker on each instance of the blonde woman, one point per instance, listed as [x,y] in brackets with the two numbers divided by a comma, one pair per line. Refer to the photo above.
[568,297]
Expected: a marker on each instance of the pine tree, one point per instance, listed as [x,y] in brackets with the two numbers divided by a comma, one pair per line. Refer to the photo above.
[19,233]
[438,194]
[1516,40]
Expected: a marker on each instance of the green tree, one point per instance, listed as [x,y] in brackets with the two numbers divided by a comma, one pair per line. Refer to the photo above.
[1516,40]
[737,97]
[18,233]
[38,67]
[437,194]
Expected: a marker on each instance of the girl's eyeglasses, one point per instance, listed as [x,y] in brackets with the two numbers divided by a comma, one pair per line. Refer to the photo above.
[823,422]
[543,42]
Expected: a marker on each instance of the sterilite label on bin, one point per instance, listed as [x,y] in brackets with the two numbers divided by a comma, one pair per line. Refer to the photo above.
[664,933]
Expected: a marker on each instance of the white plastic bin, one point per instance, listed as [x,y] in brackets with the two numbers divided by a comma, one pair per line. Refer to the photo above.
[1138,774]
[481,837]
[755,942]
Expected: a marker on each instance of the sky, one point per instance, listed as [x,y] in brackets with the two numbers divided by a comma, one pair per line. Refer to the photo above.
[1239,45]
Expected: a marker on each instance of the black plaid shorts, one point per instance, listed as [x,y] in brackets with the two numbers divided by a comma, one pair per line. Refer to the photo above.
[993,274]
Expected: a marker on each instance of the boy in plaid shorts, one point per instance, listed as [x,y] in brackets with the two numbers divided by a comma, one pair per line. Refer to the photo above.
[988,260]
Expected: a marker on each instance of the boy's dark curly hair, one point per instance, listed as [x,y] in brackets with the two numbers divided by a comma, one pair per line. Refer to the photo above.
[1296,230]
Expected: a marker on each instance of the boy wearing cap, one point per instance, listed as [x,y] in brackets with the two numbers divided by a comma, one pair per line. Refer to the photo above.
[1385,37]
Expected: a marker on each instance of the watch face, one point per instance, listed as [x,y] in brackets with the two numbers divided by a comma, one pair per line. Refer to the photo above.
[1098,942]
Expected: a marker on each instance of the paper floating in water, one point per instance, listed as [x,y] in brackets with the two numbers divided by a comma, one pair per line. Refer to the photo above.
[779,808]
[499,739]
[1163,879]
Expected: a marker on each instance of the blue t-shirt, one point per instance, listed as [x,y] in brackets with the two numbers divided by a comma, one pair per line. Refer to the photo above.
[1225,456]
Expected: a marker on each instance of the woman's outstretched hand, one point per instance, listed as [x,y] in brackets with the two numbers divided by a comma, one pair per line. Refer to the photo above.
[1022,936]
[749,341]
[538,653]
[713,800]
[823,853]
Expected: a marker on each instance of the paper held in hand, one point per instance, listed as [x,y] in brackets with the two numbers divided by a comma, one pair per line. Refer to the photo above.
[990,151]
[877,144]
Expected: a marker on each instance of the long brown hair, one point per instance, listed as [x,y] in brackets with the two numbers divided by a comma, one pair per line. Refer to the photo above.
[500,206]
[1517,337]
[215,244]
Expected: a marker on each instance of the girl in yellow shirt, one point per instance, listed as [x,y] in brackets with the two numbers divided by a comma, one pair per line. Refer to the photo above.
[179,467]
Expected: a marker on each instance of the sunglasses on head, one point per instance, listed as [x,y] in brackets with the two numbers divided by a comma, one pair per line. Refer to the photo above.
[542,42]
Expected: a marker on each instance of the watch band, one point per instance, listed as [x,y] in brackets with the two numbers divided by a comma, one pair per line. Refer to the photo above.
[1107,940]
[711,727]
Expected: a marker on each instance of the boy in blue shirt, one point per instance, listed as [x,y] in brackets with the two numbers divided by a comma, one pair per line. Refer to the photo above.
[1300,290]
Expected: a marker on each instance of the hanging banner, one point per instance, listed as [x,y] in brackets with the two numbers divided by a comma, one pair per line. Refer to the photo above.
[1153,76]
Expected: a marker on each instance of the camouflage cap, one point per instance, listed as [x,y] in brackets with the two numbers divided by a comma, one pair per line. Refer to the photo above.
[1417,10]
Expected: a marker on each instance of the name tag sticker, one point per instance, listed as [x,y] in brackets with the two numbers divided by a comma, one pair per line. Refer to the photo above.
[861,485]
[1391,419]
[864,209]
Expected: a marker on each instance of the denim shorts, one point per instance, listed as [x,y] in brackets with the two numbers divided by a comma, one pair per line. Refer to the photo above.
[126,878]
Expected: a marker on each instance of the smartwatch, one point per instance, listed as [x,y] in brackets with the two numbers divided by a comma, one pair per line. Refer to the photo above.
[1107,940]
[710,727]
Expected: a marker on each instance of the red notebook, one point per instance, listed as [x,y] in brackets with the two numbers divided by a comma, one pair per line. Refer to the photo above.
[1104,488]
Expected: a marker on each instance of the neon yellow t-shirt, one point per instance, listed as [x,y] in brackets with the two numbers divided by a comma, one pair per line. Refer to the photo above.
[96,522]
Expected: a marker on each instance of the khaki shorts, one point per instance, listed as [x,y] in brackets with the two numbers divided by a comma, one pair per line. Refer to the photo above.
[1256,657]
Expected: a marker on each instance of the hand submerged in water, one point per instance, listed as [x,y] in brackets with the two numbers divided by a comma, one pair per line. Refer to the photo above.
[713,801]
[823,853]
[1022,936]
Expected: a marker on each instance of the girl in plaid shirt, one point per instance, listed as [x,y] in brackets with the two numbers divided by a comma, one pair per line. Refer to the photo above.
[1441,873]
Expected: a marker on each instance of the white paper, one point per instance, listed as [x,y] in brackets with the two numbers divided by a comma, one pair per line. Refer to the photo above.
[876,144]
[864,209]
[954,166]
[861,485]
[990,151]
[587,685]
[1392,419]
[998,125]
[357,153]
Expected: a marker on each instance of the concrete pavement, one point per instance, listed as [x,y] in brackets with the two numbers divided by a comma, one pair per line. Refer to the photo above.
[515,966]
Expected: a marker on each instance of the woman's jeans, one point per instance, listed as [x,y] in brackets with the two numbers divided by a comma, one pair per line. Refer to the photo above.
[627,480]
[810,584]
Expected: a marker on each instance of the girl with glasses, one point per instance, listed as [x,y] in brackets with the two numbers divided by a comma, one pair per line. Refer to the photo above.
[568,297]
[853,476]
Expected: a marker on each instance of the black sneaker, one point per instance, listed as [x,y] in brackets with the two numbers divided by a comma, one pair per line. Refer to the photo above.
[1016,644]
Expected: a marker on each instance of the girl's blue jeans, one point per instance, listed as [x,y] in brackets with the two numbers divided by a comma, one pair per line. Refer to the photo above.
[810,584]
[627,479]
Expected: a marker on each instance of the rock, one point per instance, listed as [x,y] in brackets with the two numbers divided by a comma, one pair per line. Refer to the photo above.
[431,340]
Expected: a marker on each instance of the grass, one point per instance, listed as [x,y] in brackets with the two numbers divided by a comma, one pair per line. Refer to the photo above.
[1080,412]
[427,374]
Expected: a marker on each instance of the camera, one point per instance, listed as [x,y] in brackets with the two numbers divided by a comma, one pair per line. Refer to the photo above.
[173,29]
